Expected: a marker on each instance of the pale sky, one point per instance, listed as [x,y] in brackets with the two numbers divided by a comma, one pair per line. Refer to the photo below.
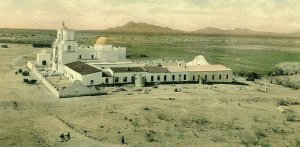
[188,15]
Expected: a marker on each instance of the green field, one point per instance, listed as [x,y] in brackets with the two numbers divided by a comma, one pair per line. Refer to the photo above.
[242,54]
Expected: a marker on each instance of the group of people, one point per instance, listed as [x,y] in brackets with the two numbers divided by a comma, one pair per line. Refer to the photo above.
[65,138]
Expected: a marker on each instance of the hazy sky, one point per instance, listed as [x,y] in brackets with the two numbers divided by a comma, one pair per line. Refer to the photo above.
[261,15]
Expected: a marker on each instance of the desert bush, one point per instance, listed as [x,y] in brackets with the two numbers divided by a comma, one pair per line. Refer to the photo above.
[151,136]
[265,145]
[147,108]
[201,121]
[249,140]
[297,143]
[288,102]
[252,76]
[260,135]
[256,118]
[134,122]
[164,117]
[291,118]
[283,102]
[277,72]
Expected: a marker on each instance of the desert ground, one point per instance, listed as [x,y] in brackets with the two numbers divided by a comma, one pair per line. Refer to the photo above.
[254,114]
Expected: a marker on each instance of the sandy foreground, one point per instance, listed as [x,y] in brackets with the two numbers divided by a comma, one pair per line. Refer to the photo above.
[198,115]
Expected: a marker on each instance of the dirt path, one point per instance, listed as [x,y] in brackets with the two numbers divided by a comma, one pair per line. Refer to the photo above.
[49,128]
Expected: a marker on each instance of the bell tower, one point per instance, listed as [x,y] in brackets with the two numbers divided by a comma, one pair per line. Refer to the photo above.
[64,49]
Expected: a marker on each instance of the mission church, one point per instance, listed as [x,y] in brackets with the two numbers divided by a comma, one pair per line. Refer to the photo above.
[105,64]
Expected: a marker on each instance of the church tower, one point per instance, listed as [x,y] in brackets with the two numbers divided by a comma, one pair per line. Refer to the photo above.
[64,49]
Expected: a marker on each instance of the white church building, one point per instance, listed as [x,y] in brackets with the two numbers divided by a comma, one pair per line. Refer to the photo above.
[105,64]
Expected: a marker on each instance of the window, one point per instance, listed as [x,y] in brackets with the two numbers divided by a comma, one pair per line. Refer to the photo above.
[69,48]
[184,77]
[205,76]
[106,80]
[92,56]
[116,79]
[124,79]
[92,82]
[227,76]
[220,77]
[158,78]
[165,77]
[213,77]
[132,78]
[79,56]
[173,77]
[193,77]
[179,77]
[152,78]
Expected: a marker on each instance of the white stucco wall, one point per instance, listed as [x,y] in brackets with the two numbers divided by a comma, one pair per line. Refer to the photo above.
[216,74]
[85,79]
[77,89]
[179,78]
[112,54]
[43,57]
[86,53]
[155,75]
[129,76]
[96,77]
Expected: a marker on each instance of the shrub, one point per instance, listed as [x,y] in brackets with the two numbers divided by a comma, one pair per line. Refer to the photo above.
[291,118]
[147,108]
[150,136]
[260,135]
[283,102]
[201,121]
[252,76]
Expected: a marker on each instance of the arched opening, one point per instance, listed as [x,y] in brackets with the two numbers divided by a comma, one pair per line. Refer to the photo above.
[69,48]
[44,62]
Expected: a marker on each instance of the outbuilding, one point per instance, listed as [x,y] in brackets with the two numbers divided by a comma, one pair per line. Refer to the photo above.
[83,72]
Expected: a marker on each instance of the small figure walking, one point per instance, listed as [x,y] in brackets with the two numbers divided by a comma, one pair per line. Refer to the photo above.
[68,135]
[123,140]
[62,136]
[16,72]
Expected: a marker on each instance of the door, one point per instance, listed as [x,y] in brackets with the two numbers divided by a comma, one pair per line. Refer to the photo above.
[44,62]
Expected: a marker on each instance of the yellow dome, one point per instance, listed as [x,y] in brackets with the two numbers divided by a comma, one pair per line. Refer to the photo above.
[102,41]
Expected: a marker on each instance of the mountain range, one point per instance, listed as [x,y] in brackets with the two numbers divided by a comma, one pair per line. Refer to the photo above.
[141,27]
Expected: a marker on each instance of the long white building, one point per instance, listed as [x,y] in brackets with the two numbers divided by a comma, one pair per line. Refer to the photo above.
[104,64]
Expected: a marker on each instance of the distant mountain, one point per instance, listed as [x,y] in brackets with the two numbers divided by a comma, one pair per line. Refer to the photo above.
[140,27]
[133,27]
[239,32]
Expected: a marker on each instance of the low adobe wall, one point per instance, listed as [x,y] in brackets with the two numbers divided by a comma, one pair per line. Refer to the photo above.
[75,90]
[44,80]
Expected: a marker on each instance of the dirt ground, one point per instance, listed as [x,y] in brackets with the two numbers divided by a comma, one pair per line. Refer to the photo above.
[198,115]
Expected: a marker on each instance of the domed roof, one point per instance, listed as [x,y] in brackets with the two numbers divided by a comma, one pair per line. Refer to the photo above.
[102,41]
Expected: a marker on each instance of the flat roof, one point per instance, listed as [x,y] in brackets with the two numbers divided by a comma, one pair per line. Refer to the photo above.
[176,68]
[155,69]
[82,68]
[127,69]
[216,67]
[196,68]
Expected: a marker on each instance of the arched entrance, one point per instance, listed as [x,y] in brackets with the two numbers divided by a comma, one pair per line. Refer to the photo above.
[44,62]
